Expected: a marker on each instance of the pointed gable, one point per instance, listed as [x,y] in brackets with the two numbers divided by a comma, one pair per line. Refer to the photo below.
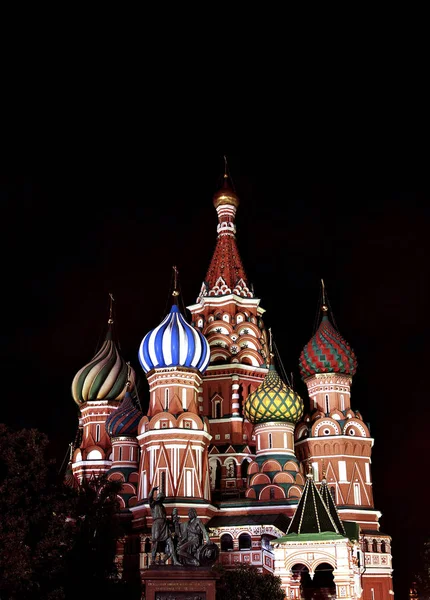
[311,515]
[330,504]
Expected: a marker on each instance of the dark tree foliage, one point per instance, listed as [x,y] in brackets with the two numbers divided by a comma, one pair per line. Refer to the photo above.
[245,582]
[55,543]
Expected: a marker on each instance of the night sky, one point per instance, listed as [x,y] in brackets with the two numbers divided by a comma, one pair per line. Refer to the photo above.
[68,240]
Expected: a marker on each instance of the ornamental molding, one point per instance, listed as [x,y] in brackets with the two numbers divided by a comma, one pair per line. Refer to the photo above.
[255,530]
[274,425]
[329,378]
[321,423]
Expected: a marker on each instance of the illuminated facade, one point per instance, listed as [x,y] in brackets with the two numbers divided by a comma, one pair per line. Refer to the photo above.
[224,434]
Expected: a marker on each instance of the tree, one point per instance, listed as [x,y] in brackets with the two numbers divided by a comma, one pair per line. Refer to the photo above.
[56,542]
[245,582]
[33,534]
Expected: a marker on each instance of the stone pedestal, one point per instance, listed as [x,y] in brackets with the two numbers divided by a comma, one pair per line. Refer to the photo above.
[168,582]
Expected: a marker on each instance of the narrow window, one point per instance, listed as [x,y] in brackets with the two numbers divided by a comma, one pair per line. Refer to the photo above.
[357,494]
[270,440]
[327,404]
[333,493]
[342,470]
[163,482]
[188,482]
[166,399]
[342,402]
[315,471]
[217,412]
[367,467]
[120,453]
[97,433]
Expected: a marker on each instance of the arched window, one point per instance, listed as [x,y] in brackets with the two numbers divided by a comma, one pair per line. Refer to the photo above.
[374,546]
[244,469]
[97,433]
[147,545]
[226,543]
[244,541]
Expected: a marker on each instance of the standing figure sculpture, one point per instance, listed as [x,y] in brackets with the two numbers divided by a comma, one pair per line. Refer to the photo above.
[160,527]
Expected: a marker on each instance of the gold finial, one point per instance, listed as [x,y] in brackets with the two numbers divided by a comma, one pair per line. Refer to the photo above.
[271,353]
[225,167]
[111,301]
[324,305]
[175,284]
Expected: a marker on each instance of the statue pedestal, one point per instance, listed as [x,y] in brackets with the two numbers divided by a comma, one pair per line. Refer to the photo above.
[168,582]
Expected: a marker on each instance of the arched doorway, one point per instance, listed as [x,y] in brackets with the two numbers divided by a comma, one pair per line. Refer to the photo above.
[323,586]
[300,582]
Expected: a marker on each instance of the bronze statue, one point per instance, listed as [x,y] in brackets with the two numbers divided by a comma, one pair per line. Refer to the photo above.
[160,527]
[194,546]
[188,544]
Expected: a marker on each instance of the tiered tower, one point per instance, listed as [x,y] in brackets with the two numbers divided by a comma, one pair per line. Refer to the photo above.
[333,436]
[98,389]
[174,437]
[334,439]
[121,426]
[274,409]
[229,315]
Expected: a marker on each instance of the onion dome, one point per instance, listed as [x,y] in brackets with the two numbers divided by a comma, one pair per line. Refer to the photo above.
[327,352]
[124,420]
[105,377]
[225,195]
[273,401]
[174,343]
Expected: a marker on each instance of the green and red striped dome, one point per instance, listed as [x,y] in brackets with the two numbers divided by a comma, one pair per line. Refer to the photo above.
[327,352]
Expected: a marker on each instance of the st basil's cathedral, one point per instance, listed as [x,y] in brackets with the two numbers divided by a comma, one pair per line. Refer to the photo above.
[285,490]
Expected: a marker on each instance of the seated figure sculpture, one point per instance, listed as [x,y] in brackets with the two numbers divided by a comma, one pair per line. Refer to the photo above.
[194,546]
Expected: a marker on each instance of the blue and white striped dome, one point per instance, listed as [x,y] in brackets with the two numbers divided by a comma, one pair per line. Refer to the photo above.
[174,343]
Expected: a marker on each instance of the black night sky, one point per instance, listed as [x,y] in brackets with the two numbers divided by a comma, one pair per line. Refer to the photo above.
[68,240]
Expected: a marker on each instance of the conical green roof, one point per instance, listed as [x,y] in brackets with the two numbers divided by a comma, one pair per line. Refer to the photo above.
[312,515]
[330,503]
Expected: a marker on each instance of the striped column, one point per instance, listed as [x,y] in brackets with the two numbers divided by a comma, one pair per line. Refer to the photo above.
[235,405]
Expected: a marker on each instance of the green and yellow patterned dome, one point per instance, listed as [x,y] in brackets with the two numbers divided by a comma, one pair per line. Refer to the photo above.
[273,401]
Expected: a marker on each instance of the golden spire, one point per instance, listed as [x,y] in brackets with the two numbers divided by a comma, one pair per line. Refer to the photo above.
[175,292]
[111,301]
[324,306]
[225,167]
[324,473]
[271,354]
